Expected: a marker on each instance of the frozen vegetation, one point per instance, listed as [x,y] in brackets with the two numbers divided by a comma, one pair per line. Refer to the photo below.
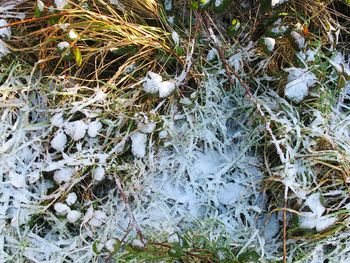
[88,173]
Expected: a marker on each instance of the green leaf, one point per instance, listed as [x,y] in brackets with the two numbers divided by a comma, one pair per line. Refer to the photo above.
[117,246]
[234,27]
[176,252]
[37,12]
[249,256]
[204,3]
[78,57]
[95,248]
[194,5]
[341,81]
[54,20]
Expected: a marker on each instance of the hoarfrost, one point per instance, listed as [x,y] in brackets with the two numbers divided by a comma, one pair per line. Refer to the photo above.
[299,82]
[93,128]
[63,175]
[71,198]
[5,32]
[138,147]
[61,209]
[270,43]
[61,4]
[59,141]
[76,129]
[73,216]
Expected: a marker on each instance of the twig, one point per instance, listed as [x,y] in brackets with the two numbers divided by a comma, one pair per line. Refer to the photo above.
[131,215]
[34,19]
[285,225]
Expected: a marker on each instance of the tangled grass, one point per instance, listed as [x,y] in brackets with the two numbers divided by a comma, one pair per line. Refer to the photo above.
[227,168]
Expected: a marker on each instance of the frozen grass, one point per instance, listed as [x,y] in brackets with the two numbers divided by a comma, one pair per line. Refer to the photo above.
[174,161]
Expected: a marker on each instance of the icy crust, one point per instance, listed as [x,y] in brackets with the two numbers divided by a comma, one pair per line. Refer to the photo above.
[198,173]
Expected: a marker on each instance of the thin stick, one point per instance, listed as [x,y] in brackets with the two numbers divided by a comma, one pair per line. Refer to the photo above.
[131,215]
[285,226]
[34,19]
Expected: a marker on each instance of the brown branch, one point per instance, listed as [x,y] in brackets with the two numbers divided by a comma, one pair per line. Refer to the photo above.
[131,215]
[34,19]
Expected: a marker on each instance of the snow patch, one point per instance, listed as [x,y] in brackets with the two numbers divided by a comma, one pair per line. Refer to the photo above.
[168,5]
[175,37]
[138,146]
[98,218]
[5,32]
[59,141]
[299,82]
[76,129]
[299,40]
[60,4]
[230,193]
[63,175]
[269,43]
[40,5]
[98,173]
[71,198]
[277,2]
[93,128]
[61,209]
[73,216]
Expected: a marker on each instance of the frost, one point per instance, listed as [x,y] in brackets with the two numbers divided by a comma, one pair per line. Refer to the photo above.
[152,82]
[310,54]
[269,43]
[57,120]
[63,175]
[73,216]
[98,173]
[98,218]
[168,5]
[175,37]
[230,193]
[3,49]
[93,128]
[212,54]
[166,88]
[72,34]
[299,40]
[315,218]
[148,127]
[110,245]
[218,3]
[59,141]
[325,222]
[314,203]
[76,130]
[5,32]
[61,4]
[299,82]
[40,5]
[271,228]
[63,46]
[277,2]
[171,19]
[310,220]
[17,179]
[138,147]
[61,209]
[71,198]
